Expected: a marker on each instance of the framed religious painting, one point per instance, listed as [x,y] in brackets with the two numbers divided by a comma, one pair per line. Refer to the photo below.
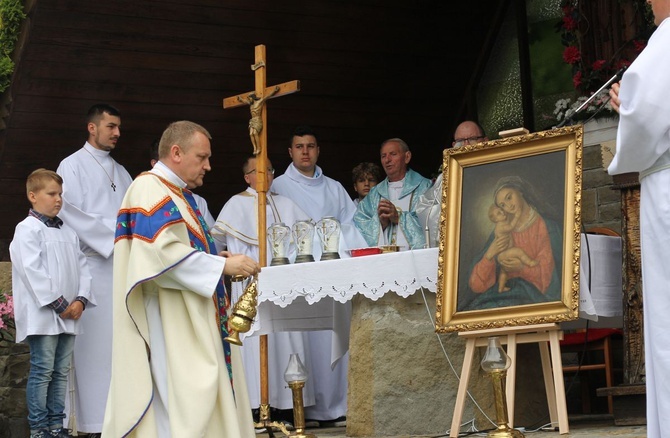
[510,232]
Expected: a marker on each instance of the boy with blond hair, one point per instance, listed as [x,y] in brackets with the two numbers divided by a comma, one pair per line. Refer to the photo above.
[51,287]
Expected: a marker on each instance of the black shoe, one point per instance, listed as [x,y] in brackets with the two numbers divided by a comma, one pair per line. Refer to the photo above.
[338,422]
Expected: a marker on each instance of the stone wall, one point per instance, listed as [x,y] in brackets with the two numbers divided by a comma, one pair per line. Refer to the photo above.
[14,367]
[601,205]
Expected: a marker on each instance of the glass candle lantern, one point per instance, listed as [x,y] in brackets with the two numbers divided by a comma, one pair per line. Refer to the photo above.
[303,233]
[328,230]
[279,237]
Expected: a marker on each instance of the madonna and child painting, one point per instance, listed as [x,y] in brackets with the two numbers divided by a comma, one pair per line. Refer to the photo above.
[511,215]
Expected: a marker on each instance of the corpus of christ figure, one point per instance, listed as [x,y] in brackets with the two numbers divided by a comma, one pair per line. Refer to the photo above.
[256,121]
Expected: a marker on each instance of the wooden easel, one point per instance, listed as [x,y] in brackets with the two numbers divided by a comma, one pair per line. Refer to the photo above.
[551,369]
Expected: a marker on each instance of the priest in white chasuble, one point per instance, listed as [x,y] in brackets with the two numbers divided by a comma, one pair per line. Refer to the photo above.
[387,216]
[320,196]
[643,145]
[93,188]
[236,229]
[172,373]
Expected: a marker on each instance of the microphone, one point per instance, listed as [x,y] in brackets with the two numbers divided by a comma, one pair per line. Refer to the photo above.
[613,79]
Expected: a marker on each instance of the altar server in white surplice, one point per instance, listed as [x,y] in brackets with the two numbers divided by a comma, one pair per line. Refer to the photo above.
[320,196]
[236,229]
[643,145]
[173,375]
[93,188]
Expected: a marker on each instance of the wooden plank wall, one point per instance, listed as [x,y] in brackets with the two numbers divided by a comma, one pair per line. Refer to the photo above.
[369,69]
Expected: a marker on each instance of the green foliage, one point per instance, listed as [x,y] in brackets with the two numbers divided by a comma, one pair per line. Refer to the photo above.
[6,69]
[11,17]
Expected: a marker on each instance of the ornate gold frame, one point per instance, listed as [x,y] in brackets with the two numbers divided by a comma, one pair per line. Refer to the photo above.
[567,142]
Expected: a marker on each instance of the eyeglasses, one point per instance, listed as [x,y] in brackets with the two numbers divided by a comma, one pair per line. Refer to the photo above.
[271,171]
[458,142]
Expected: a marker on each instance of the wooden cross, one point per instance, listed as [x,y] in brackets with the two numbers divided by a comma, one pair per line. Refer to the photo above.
[256,100]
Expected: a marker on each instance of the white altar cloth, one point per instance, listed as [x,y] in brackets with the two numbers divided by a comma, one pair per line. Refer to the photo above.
[373,276]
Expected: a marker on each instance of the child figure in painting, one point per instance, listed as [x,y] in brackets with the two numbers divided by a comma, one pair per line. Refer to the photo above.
[504,225]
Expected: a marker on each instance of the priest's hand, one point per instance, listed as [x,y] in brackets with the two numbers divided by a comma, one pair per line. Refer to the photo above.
[387,212]
[614,97]
[239,264]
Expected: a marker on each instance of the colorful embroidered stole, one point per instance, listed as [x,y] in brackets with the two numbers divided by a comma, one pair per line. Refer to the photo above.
[137,223]
[221,299]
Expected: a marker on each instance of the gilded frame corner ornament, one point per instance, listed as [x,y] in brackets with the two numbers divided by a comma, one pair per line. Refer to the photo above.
[546,165]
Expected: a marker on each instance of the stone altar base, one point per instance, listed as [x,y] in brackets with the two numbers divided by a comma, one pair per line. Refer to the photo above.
[400,382]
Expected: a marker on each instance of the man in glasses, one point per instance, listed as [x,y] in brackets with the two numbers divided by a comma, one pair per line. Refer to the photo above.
[468,132]
[428,210]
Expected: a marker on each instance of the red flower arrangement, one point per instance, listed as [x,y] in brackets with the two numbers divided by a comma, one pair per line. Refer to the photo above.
[593,62]
[589,72]
[571,55]
[598,65]
[577,80]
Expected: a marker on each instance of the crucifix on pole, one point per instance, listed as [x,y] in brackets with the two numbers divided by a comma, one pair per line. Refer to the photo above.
[258,134]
